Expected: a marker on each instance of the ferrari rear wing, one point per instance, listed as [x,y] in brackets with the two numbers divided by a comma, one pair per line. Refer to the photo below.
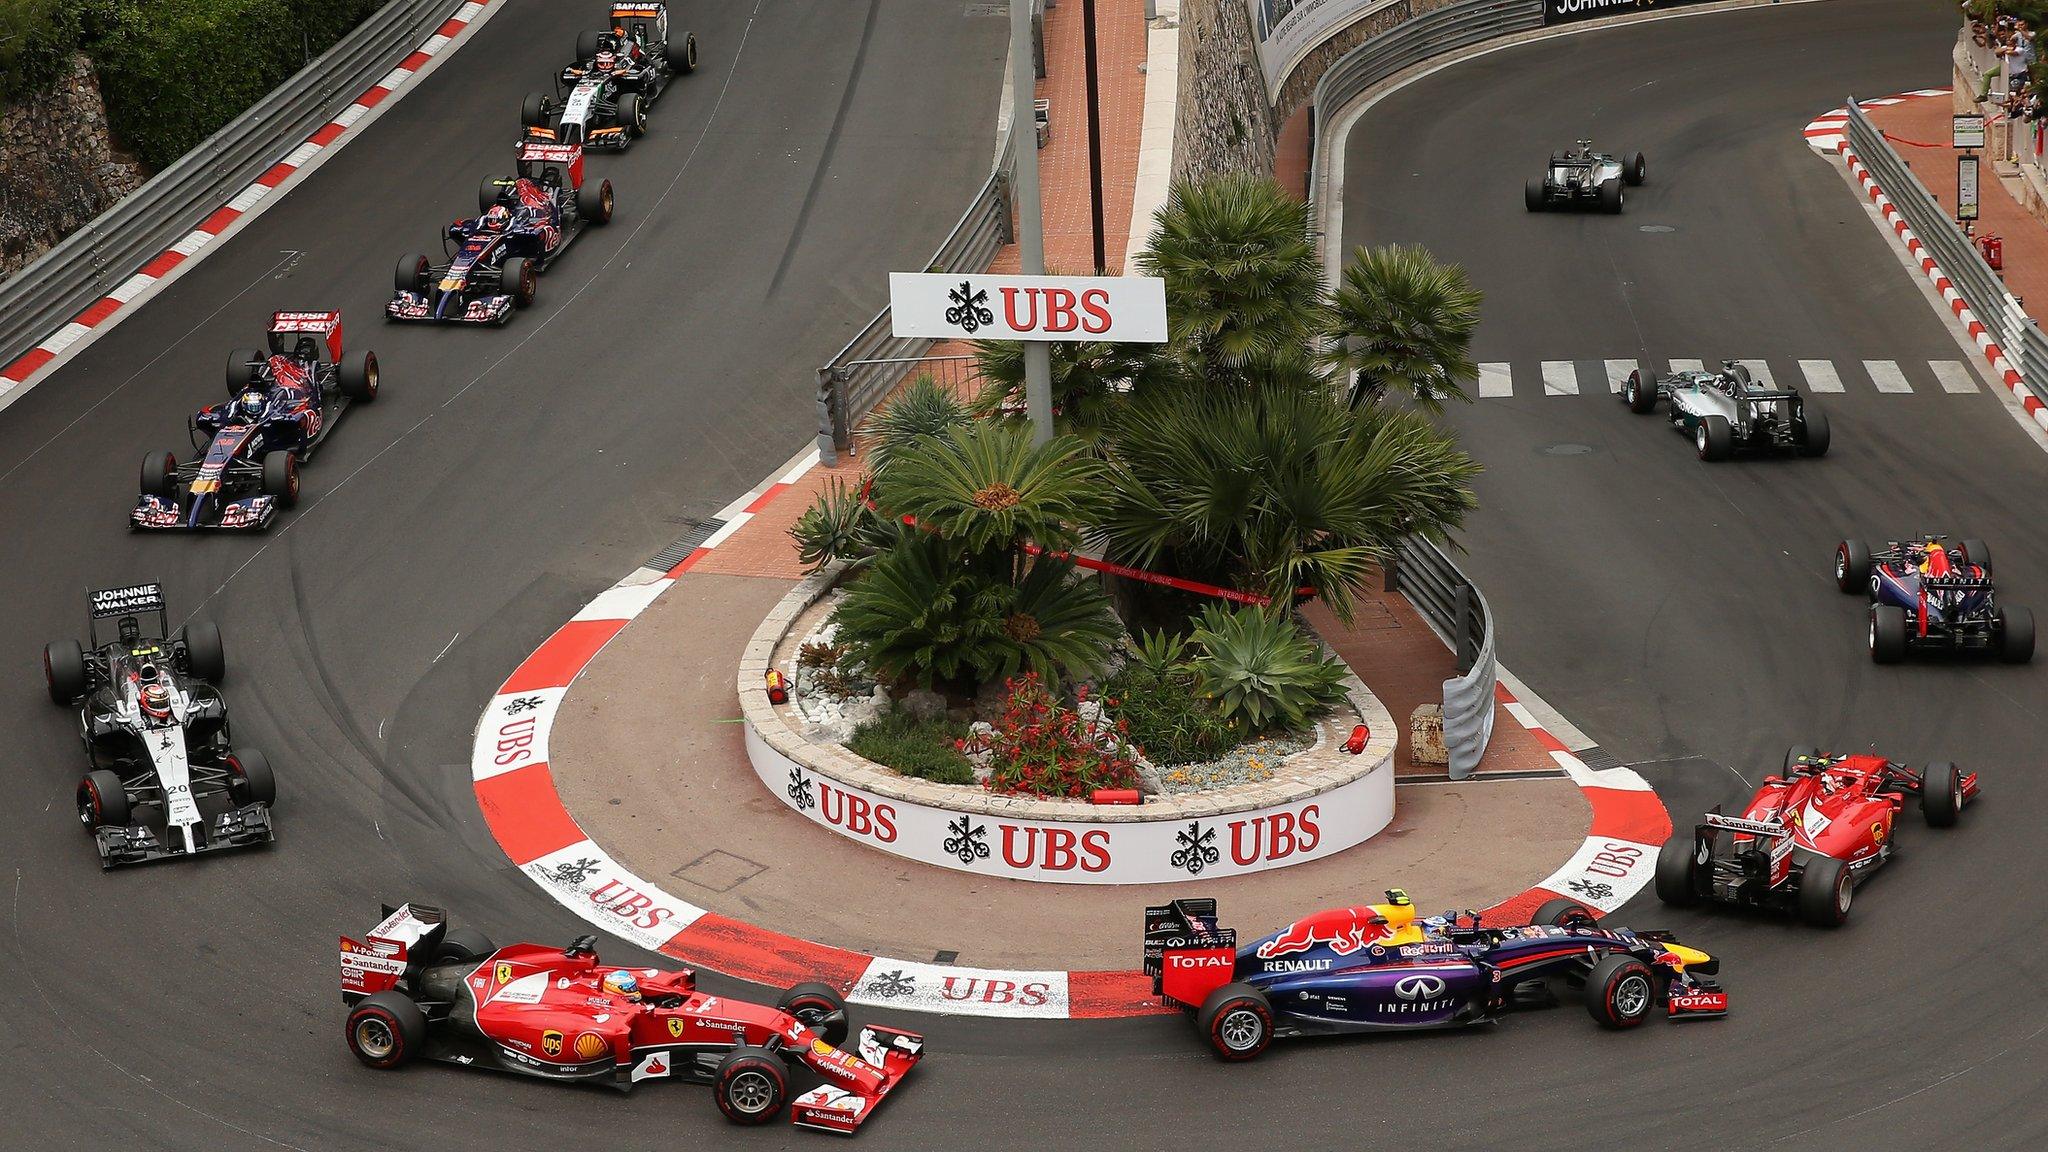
[1772,830]
[389,952]
[858,1081]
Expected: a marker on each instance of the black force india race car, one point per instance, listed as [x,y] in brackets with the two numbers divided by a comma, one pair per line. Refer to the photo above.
[601,100]
[156,735]
[1808,837]
[495,258]
[1926,595]
[416,987]
[1580,177]
[1726,412]
[1380,967]
[281,406]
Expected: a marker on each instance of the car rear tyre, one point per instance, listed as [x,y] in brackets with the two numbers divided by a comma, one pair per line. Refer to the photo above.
[460,945]
[1238,1021]
[1532,195]
[1640,392]
[1610,196]
[1713,439]
[520,280]
[1620,992]
[1676,870]
[1798,753]
[632,114]
[1979,553]
[159,474]
[1887,633]
[386,1030]
[1564,913]
[489,190]
[102,801]
[683,56]
[358,375]
[819,1007]
[1941,794]
[205,656]
[242,365]
[751,1085]
[1826,888]
[595,204]
[2015,635]
[250,780]
[281,477]
[1637,170]
[1852,567]
[64,671]
[533,112]
[412,273]
[1812,431]
[586,45]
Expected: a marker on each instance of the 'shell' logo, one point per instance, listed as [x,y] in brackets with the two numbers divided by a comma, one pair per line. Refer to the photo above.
[551,1042]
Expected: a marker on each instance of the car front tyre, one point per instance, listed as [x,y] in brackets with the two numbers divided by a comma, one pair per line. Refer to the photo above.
[1852,567]
[751,1085]
[1238,1022]
[1941,795]
[1640,392]
[1621,991]
[250,778]
[102,800]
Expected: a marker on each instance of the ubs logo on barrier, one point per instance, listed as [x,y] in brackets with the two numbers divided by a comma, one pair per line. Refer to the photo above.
[1565,11]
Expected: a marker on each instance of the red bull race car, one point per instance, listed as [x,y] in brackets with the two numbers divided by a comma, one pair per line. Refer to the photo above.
[1808,837]
[495,258]
[282,405]
[416,987]
[1380,967]
[1926,594]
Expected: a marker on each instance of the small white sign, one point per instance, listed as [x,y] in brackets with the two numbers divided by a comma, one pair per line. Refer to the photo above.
[1967,131]
[955,306]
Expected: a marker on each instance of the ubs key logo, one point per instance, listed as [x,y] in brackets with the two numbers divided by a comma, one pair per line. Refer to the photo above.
[970,310]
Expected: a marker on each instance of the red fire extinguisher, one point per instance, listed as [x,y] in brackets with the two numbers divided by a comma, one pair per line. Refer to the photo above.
[1993,248]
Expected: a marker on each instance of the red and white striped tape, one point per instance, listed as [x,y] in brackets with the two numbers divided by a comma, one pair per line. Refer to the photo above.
[31,367]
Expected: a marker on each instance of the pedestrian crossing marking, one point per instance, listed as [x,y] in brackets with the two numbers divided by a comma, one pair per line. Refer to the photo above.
[1560,378]
[1887,376]
[1687,366]
[1617,374]
[1955,376]
[1495,381]
[1761,373]
[1820,375]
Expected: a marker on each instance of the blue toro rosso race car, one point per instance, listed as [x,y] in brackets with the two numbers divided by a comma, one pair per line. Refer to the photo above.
[1926,594]
[1379,967]
[495,258]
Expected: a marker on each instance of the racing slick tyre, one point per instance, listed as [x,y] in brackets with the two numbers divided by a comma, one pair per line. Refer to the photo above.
[1640,392]
[533,112]
[386,1030]
[1826,887]
[1941,794]
[595,204]
[751,1085]
[1563,912]
[358,375]
[819,1007]
[1676,883]
[205,656]
[1237,1020]
[1610,196]
[632,114]
[1797,754]
[682,55]
[1713,438]
[242,365]
[519,278]
[1977,552]
[102,801]
[1621,991]
[488,191]
[281,477]
[459,945]
[249,778]
[1812,432]
[64,671]
[412,273]
[1636,170]
[1852,567]
[1532,195]
[1887,633]
[159,474]
[2015,635]
[586,45]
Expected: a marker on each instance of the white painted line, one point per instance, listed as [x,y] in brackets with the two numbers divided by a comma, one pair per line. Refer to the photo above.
[434,44]
[1761,373]
[1687,366]
[1887,376]
[623,601]
[301,154]
[731,526]
[797,470]
[131,286]
[1820,375]
[1560,378]
[1617,374]
[394,78]
[1495,380]
[64,337]
[193,242]
[248,197]
[468,11]
[351,114]
[1955,376]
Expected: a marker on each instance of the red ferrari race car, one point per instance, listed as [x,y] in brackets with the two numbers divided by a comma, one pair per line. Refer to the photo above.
[416,987]
[1810,836]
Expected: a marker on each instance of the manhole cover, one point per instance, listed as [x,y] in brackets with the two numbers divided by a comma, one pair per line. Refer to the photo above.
[1656,228]
[1567,450]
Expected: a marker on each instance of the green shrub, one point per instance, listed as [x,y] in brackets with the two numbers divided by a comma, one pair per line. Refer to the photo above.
[1262,669]
[839,525]
[1166,717]
[921,748]
[37,38]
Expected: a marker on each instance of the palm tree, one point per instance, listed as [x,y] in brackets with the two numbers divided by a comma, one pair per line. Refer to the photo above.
[987,487]
[1402,320]
[1242,283]
[1088,379]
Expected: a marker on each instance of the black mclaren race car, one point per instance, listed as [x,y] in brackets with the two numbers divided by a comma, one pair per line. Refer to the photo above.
[601,101]
[156,735]
[281,406]
[1926,595]
[494,259]
[1582,177]
[1727,412]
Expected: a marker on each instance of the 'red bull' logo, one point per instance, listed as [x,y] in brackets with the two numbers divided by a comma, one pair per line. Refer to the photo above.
[1343,932]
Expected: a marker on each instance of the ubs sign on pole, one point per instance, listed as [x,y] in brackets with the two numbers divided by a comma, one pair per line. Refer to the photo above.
[953,306]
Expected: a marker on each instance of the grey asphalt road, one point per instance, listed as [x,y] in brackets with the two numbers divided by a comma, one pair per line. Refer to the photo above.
[1676,611]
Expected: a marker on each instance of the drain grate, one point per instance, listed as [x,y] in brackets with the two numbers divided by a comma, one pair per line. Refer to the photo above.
[676,553]
[1598,759]
[988,9]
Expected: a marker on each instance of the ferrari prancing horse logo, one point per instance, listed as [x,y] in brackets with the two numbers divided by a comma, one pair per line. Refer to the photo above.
[675,1026]
[504,973]
[551,1042]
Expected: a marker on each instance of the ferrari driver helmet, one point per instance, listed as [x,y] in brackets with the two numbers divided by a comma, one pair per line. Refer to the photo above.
[622,983]
[250,406]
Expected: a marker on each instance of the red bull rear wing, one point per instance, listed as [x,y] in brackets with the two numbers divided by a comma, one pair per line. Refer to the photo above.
[1186,950]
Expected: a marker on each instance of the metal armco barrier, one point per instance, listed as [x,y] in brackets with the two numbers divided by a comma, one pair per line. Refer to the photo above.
[1421,572]
[114,245]
[862,373]
[2023,341]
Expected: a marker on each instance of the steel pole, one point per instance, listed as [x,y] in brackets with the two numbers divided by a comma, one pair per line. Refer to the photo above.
[1030,218]
[1094,135]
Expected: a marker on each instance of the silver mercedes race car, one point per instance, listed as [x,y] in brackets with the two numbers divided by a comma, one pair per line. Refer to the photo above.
[1726,412]
[1583,177]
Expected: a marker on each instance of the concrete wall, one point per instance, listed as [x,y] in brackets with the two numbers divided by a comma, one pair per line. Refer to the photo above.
[58,167]
[1222,122]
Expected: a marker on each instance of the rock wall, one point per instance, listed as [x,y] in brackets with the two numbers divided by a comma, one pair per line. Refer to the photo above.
[1221,120]
[58,166]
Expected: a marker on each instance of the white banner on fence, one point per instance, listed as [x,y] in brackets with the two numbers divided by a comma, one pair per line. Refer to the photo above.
[946,306]
[1287,30]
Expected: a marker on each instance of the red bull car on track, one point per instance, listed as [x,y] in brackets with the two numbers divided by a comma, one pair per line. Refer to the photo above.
[1925,594]
[1379,967]
[417,987]
[280,409]
[1807,838]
